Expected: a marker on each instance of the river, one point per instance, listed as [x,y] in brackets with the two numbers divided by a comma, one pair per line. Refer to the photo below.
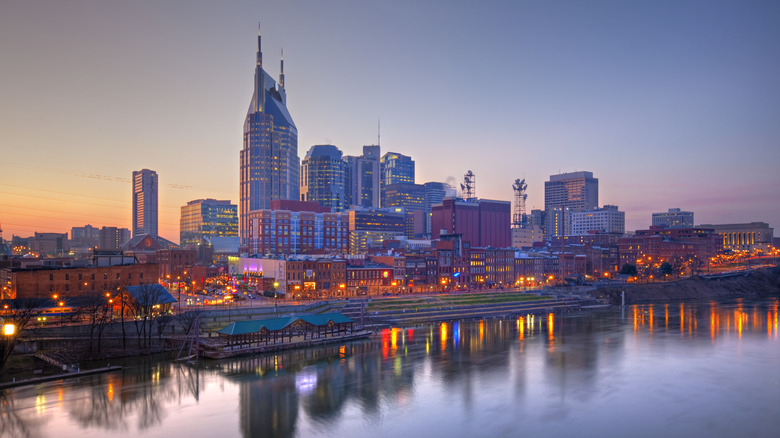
[660,370]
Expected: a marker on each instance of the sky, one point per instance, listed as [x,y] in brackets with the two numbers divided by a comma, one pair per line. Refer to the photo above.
[670,103]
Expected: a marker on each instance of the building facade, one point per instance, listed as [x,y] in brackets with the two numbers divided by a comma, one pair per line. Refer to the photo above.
[67,282]
[145,192]
[269,162]
[409,196]
[275,233]
[113,238]
[482,223]
[607,219]
[323,177]
[576,191]
[674,218]
[362,179]
[207,218]
[395,168]
[744,237]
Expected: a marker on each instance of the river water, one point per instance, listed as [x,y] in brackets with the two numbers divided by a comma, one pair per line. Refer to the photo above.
[662,370]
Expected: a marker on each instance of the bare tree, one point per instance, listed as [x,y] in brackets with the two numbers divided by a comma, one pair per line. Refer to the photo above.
[187,320]
[97,312]
[142,306]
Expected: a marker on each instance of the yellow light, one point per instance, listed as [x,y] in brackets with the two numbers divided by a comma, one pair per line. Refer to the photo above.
[9,329]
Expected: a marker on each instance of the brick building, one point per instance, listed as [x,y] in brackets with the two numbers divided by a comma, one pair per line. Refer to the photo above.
[45,282]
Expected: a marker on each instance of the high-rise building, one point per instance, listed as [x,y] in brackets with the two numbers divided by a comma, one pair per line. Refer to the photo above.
[564,194]
[409,196]
[113,238]
[323,173]
[207,218]
[395,168]
[362,179]
[577,191]
[145,187]
[269,158]
[84,238]
[602,220]
[674,218]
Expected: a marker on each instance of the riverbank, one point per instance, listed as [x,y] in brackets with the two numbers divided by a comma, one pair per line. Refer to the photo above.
[757,283]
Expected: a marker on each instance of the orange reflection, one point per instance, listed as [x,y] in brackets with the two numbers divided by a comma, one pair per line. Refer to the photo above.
[666,316]
[738,318]
[110,393]
[521,327]
[714,321]
[481,330]
[550,325]
[636,319]
[443,335]
[682,318]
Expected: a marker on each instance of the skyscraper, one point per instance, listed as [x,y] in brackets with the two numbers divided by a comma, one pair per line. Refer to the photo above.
[395,168]
[145,202]
[566,193]
[322,177]
[269,158]
[362,181]
[577,191]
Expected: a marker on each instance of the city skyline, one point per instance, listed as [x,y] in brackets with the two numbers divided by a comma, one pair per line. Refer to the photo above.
[670,105]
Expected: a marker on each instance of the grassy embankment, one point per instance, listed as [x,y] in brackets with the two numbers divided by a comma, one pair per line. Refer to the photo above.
[438,301]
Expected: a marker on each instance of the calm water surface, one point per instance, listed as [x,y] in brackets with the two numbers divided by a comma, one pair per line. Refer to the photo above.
[677,370]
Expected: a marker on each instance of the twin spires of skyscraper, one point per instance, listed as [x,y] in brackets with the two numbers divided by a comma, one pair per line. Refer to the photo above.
[260,76]
[269,162]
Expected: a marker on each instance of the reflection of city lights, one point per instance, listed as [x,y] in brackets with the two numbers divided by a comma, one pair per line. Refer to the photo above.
[40,404]
[521,327]
[443,336]
[306,381]
[666,316]
[110,392]
[550,325]
[481,330]
[456,334]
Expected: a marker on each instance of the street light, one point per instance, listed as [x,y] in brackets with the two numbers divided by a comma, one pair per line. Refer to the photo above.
[9,329]
[61,304]
[276,285]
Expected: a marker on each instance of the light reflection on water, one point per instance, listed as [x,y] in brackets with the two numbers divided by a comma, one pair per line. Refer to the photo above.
[678,369]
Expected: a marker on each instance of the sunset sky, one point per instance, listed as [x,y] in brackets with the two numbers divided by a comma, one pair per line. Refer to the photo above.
[669,103]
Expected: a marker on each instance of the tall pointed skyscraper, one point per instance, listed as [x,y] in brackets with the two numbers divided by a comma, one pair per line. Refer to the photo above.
[269,158]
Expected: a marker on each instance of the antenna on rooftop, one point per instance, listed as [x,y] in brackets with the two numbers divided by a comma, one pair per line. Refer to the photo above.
[518,217]
[469,186]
